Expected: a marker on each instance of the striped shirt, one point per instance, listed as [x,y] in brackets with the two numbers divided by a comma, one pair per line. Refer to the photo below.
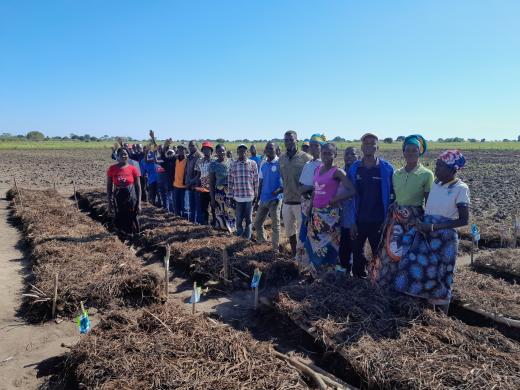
[243,180]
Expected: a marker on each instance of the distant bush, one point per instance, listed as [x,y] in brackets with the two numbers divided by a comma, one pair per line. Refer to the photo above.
[472,140]
[400,138]
[388,140]
[35,136]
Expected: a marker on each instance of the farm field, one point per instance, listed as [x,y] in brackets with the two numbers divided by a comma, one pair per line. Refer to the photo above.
[492,176]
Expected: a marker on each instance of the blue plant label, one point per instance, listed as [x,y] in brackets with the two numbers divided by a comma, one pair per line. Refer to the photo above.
[475,233]
[196,294]
[83,322]
[256,278]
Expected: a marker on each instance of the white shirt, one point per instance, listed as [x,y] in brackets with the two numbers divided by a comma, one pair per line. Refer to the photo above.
[307,175]
[443,199]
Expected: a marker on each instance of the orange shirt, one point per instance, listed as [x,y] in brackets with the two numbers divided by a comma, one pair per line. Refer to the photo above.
[180,168]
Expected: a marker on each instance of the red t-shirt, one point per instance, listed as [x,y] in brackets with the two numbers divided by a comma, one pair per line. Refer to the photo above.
[122,176]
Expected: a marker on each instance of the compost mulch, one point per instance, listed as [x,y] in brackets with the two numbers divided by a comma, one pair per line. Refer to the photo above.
[392,341]
[163,348]
[198,250]
[92,265]
[487,293]
[504,263]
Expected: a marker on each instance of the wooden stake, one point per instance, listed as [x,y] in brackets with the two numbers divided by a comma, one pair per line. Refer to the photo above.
[256,298]
[75,196]
[82,307]
[472,249]
[193,296]
[56,296]
[516,226]
[166,271]
[18,192]
[225,264]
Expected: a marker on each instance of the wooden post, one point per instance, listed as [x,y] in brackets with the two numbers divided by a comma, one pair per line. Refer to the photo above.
[18,192]
[82,307]
[166,270]
[193,297]
[472,249]
[256,298]
[55,298]
[75,196]
[225,264]
[516,226]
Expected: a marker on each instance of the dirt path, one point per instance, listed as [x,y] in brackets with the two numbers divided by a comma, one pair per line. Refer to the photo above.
[22,346]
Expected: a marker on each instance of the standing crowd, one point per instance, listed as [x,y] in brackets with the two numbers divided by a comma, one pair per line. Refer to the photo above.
[329,212]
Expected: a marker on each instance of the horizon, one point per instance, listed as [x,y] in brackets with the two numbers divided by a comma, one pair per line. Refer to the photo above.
[219,70]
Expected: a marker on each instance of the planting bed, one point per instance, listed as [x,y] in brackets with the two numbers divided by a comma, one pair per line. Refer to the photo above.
[198,250]
[92,265]
[163,348]
[502,263]
[391,342]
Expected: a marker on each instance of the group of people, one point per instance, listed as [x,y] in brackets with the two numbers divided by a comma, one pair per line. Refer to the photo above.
[329,212]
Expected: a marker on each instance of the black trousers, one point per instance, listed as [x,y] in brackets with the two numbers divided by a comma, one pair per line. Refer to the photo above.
[372,232]
[144,190]
[345,249]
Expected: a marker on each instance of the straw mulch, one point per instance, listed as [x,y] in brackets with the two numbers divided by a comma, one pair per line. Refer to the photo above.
[92,265]
[163,348]
[391,342]
[502,261]
[487,293]
[198,249]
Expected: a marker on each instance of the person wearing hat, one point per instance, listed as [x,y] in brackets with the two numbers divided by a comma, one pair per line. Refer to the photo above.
[179,183]
[291,166]
[412,184]
[372,179]
[202,195]
[243,186]
[427,266]
[306,146]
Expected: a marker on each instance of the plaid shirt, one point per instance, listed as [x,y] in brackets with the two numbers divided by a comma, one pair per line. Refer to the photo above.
[243,179]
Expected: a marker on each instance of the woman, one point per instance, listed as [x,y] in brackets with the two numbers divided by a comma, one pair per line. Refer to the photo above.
[411,184]
[220,202]
[124,193]
[323,234]
[430,251]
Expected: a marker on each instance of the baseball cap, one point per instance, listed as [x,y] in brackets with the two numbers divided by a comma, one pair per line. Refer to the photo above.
[242,146]
[207,144]
[366,135]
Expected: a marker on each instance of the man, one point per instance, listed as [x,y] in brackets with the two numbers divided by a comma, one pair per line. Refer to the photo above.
[372,178]
[270,199]
[345,246]
[179,182]
[243,184]
[202,195]
[191,179]
[254,157]
[306,146]
[291,166]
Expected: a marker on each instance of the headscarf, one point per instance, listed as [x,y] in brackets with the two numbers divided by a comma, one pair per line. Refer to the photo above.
[320,138]
[453,158]
[417,140]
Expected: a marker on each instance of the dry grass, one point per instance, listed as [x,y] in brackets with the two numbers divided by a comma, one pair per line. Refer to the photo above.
[92,265]
[164,348]
[392,342]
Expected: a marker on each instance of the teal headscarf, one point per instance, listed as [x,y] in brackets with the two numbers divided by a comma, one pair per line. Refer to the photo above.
[417,140]
[320,138]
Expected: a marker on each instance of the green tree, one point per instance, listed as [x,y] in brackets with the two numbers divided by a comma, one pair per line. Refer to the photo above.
[35,136]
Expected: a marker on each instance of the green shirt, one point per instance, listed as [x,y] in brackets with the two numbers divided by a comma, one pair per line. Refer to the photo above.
[410,187]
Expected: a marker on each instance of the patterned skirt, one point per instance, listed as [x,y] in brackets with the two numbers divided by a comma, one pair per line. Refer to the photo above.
[323,236]
[224,213]
[427,262]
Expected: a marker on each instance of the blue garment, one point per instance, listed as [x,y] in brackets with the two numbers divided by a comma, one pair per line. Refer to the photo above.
[368,185]
[244,211]
[387,190]
[151,172]
[271,180]
[256,159]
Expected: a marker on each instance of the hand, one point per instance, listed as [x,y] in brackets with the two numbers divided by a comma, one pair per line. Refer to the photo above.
[353,232]
[333,202]
[138,208]
[233,203]
[424,227]
[152,135]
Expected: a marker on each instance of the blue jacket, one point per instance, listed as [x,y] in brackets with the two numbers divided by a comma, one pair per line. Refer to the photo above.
[387,189]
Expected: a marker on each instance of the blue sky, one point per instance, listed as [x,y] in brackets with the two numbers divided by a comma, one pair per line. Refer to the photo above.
[253,69]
